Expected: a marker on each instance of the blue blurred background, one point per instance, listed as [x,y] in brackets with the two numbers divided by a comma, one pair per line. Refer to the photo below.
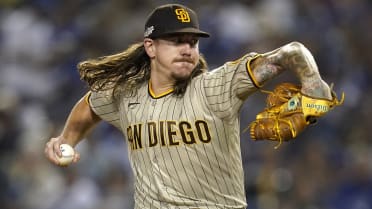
[329,166]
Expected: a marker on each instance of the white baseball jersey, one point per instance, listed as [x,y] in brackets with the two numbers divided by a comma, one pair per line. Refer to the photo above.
[185,151]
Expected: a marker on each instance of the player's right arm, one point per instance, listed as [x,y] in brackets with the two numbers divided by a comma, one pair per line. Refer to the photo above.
[79,122]
[294,57]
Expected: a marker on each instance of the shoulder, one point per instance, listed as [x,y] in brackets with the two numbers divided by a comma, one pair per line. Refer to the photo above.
[101,98]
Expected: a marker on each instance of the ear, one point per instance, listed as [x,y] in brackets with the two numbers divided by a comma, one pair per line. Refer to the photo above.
[149,47]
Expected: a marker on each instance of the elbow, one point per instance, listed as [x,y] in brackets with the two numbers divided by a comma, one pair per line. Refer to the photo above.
[298,50]
[296,47]
[296,44]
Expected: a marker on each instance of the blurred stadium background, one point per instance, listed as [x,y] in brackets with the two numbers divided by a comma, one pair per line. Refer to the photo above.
[327,167]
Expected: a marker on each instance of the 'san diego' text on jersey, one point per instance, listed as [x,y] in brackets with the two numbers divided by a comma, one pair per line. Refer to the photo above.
[168,133]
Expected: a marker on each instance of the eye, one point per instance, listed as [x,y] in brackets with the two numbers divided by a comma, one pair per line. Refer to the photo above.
[193,41]
[182,40]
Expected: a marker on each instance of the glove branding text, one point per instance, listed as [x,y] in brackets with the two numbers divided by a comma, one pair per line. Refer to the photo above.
[318,107]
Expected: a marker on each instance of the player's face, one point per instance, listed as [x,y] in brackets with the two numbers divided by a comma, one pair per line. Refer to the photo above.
[175,57]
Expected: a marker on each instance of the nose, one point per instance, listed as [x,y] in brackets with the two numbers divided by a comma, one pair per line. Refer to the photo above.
[186,49]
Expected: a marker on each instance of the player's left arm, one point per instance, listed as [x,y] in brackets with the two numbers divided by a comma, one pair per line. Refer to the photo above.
[294,57]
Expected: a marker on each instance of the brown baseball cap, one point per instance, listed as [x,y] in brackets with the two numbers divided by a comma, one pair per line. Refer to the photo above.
[172,19]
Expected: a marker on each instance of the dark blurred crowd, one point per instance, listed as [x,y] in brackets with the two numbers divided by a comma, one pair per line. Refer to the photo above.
[329,166]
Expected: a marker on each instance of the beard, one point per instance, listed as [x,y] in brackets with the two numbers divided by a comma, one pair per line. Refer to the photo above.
[182,81]
[184,74]
[179,77]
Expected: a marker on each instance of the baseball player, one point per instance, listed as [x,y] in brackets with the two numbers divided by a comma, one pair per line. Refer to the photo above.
[180,120]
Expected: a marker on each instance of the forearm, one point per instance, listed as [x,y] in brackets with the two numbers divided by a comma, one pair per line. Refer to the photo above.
[80,121]
[296,58]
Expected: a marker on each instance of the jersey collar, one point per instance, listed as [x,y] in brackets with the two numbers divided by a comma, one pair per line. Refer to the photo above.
[153,95]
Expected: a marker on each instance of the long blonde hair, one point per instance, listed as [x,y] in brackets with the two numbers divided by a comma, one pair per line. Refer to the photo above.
[125,71]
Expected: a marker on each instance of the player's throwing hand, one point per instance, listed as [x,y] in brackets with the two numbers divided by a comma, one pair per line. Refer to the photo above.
[58,156]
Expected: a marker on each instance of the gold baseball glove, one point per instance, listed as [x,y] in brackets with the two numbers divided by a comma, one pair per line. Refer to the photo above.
[288,113]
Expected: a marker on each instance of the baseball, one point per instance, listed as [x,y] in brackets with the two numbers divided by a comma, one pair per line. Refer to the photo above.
[67,154]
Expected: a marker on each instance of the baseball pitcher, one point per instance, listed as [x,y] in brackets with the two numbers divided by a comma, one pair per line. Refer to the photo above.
[181,120]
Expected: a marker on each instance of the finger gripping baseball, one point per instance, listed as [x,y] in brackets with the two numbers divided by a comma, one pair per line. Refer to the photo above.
[289,113]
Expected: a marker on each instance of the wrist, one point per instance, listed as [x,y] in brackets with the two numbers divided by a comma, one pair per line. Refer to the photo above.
[317,89]
[70,139]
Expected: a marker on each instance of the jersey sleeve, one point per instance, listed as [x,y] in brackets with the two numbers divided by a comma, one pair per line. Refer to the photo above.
[103,104]
[227,86]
